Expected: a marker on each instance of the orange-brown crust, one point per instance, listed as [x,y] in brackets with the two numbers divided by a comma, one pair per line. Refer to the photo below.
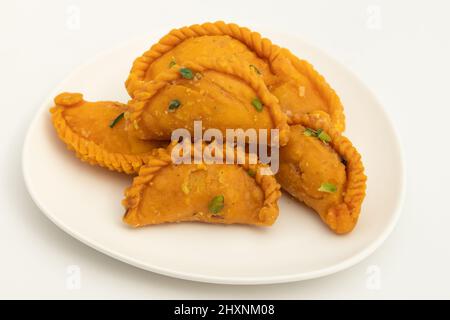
[86,150]
[263,47]
[149,89]
[162,158]
[336,111]
[342,217]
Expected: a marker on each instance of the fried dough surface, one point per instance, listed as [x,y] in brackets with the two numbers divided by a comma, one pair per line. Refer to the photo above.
[299,88]
[219,94]
[227,77]
[327,175]
[213,193]
[217,101]
[86,128]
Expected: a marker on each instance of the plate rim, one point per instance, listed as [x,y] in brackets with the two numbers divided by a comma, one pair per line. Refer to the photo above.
[260,280]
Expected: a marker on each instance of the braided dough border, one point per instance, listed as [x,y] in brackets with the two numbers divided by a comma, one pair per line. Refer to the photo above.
[162,158]
[355,190]
[336,112]
[90,152]
[149,89]
[263,47]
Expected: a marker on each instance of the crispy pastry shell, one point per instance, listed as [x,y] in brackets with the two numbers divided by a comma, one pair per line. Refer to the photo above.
[288,77]
[307,162]
[165,192]
[85,128]
[146,118]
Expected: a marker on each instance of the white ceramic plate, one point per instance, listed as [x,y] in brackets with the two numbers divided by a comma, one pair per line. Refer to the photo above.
[85,201]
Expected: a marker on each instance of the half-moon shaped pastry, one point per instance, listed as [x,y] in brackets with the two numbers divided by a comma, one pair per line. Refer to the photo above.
[298,86]
[214,193]
[96,132]
[321,168]
[222,95]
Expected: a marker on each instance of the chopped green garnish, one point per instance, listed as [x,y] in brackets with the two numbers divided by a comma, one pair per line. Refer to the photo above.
[252,66]
[327,187]
[174,104]
[257,104]
[320,134]
[172,63]
[116,120]
[251,172]
[309,132]
[187,73]
[216,204]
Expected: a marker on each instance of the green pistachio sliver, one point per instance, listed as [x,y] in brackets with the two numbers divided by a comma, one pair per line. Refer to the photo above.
[172,63]
[252,66]
[309,132]
[324,136]
[257,104]
[174,104]
[251,173]
[187,73]
[116,120]
[216,205]
[320,134]
[327,187]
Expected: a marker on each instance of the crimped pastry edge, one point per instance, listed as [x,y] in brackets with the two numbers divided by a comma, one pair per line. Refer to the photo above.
[263,47]
[162,158]
[150,88]
[355,190]
[86,150]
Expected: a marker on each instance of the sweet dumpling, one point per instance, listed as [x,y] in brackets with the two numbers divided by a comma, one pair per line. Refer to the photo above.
[299,88]
[96,132]
[322,169]
[219,94]
[213,193]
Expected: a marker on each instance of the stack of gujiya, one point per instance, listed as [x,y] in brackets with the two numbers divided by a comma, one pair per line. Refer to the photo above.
[228,77]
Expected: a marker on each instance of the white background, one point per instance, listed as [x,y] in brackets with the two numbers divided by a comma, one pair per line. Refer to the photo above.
[400,49]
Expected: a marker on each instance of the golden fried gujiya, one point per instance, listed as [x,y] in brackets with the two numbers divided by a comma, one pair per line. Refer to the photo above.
[298,86]
[321,168]
[96,132]
[214,193]
[220,94]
